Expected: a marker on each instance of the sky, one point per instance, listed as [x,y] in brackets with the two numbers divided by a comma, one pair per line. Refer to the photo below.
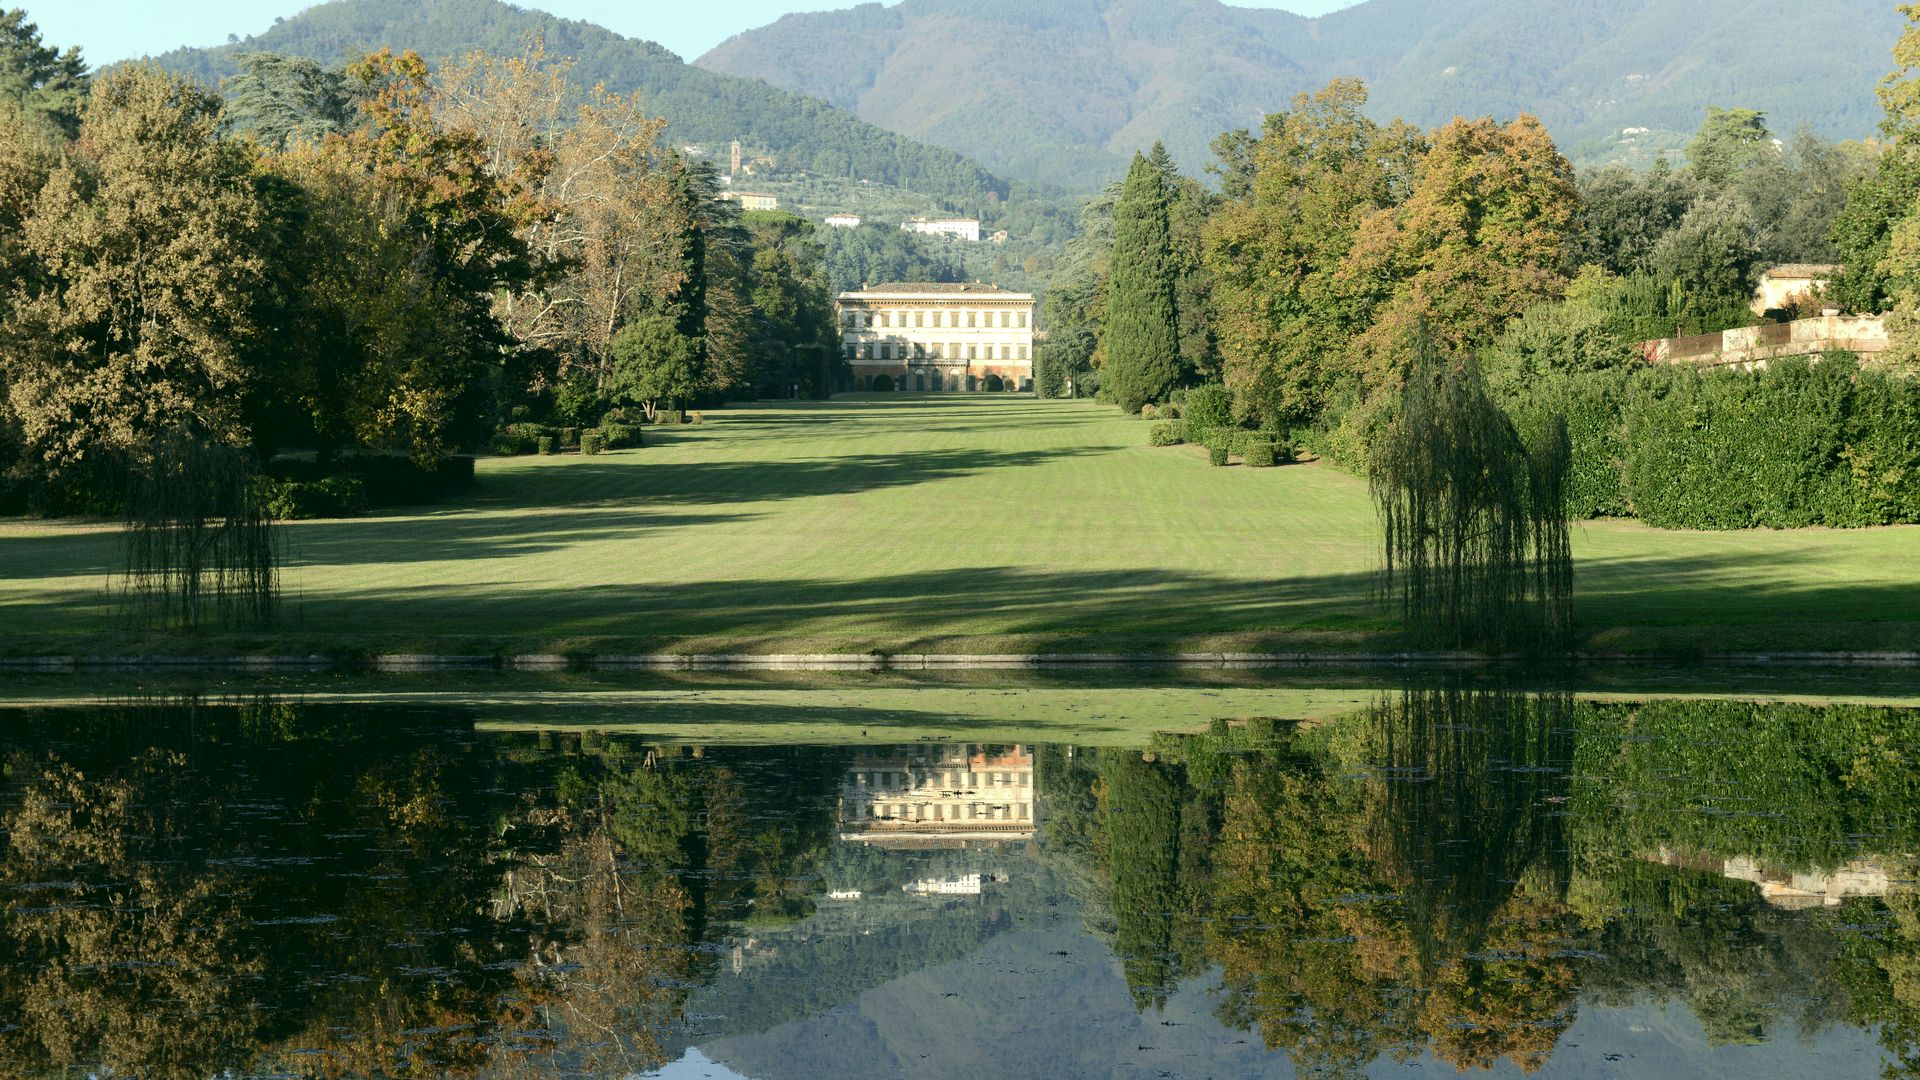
[110,30]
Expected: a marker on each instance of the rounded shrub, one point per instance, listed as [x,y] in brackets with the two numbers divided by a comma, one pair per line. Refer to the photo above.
[1207,408]
[1148,412]
[1168,433]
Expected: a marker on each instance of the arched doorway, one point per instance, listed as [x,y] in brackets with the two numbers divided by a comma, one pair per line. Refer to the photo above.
[920,381]
[882,384]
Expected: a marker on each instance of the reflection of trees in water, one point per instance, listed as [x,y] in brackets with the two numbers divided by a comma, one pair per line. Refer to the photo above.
[217,889]
[1432,875]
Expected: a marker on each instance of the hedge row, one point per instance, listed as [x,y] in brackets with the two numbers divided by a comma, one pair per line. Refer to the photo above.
[1801,443]
[516,440]
[304,487]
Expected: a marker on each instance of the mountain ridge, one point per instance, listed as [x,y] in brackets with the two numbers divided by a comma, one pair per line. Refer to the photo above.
[701,106]
[1066,91]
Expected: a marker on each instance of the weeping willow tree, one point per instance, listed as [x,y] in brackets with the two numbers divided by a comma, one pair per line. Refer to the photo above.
[1473,786]
[1474,516]
[200,545]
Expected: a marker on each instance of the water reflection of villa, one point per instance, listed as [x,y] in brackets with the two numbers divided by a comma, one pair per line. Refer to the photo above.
[938,796]
[1794,890]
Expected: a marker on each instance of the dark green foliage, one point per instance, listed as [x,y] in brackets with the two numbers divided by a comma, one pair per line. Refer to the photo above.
[200,543]
[372,480]
[617,436]
[281,100]
[302,500]
[1475,520]
[592,442]
[1800,444]
[1168,433]
[570,438]
[1259,454]
[516,439]
[1711,264]
[1625,214]
[1590,406]
[1207,409]
[546,444]
[870,254]
[1217,453]
[1140,823]
[1864,229]
[48,84]
[1142,330]
[883,384]
[1467,771]
[1727,144]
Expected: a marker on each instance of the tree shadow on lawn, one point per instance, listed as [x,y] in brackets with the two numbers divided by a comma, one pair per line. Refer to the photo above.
[577,502]
[635,480]
[378,541]
[1089,606]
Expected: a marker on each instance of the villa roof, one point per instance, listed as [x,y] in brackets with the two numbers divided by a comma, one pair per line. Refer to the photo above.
[936,288]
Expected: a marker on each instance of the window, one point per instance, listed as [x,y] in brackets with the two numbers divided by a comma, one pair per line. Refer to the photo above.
[936,350]
[970,317]
[883,318]
[1020,320]
[1023,352]
[970,352]
[851,350]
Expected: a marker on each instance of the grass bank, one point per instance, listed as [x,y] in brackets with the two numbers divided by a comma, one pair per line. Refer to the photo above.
[936,525]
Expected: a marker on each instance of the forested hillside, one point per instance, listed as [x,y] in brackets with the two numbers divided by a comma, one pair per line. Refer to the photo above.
[702,107]
[1067,90]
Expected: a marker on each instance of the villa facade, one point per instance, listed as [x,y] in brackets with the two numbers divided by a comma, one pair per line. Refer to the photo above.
[928,336]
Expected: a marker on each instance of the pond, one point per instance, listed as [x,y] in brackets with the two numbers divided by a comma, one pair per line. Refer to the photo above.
[1453,875]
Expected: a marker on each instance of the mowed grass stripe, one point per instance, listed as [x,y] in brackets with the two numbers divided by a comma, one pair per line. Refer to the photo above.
[958,524]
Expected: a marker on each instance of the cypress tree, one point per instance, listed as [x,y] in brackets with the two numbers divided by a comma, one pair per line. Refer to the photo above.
[1143,338]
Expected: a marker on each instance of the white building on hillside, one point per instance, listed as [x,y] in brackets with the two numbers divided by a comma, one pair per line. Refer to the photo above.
[959,228]
[843,221]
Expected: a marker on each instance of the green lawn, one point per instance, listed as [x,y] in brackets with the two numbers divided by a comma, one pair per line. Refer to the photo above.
[963,524]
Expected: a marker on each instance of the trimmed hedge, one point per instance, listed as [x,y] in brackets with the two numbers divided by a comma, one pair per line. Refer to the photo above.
[1799,444]
[382,479]
[1205,409]
[1259,454]
[619,436]
[1216,454]
[1168,433]
[547,444]
[300,500]
[592,442]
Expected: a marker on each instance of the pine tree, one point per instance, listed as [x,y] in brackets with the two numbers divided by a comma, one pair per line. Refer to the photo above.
[1143,338]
